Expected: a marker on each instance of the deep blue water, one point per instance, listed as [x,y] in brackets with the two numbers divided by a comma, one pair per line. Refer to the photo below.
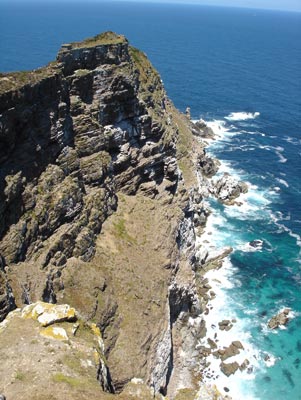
[217,61]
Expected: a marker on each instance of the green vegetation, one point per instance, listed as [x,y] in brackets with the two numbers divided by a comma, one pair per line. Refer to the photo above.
[16,80]
[121,232]
[101,39]
[61,378]
[137,55]
[20,376]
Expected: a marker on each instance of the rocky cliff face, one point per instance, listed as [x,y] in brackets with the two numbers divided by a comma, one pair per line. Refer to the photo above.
[98,209]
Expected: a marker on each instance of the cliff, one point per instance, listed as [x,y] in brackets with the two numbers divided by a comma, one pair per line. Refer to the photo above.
[99,208]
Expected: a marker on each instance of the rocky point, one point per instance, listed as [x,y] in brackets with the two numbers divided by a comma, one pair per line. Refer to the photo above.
[102,184]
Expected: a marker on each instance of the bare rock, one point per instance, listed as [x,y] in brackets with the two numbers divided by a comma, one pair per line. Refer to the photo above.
[280,319]
[203,130]
[227,188]
[229,369]
[225,325]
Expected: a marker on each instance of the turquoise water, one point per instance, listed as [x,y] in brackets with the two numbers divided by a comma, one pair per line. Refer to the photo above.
[217,61]
[266,279]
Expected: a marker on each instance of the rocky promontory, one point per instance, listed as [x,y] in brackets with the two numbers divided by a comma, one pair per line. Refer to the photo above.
[101,199]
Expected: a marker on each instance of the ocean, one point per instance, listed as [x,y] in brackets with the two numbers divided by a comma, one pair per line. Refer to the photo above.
[240,70]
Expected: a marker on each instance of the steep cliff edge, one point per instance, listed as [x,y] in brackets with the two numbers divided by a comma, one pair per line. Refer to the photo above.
[98,209]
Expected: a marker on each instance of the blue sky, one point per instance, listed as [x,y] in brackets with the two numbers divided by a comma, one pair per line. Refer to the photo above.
[288,5]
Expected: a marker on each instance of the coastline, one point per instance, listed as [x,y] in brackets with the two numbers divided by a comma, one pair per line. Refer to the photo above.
[240,363]
[248,321]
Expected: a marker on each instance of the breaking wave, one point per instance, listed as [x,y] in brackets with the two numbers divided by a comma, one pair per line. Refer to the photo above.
[242,116]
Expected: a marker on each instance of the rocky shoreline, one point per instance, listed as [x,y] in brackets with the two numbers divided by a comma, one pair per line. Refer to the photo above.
[226,190]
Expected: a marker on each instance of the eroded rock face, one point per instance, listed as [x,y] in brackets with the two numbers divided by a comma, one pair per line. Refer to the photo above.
[208,165]
[95,213]
[72,140]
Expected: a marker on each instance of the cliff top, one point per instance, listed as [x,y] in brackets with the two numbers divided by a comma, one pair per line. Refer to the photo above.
[16,80]
[104,38]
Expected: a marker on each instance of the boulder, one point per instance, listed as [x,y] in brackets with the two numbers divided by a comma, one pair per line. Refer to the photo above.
[207,165]
[231,351]
[212,343]
[245,365]
[54,332]
[280,319]
[203,130]
[227,188]
[225,325]
[229,369]
[48,314]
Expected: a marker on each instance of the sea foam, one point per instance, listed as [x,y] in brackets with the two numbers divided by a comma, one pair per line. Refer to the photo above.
[242,116]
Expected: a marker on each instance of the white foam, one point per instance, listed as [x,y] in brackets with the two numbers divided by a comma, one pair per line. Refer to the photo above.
[249,248]
[270,360]
[282,159]
[292,140]
[219,128]
[284,228]
[221,307]
[242,116]
[277,149]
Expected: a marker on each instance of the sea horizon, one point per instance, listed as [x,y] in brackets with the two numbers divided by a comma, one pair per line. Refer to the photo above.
[239,69]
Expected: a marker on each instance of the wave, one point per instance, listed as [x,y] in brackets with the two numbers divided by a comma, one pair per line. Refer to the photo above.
[292,140]
[242,116]
[283,182]
[219,128]
[290,232]
[278,151]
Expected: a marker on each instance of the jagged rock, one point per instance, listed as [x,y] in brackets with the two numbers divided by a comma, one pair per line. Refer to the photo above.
[230,351]
[229,368]
[7,300]
[225,325]
[257,244]
[203,130]
[54,332]
[227,188]
[280,319]
[238,344]
[207,165]
[42,348]
[244,365]
[91,150]
[212,343]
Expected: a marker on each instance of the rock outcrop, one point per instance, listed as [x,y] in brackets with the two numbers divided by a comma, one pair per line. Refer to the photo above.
[281,319]
[227,189]
[100,203]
